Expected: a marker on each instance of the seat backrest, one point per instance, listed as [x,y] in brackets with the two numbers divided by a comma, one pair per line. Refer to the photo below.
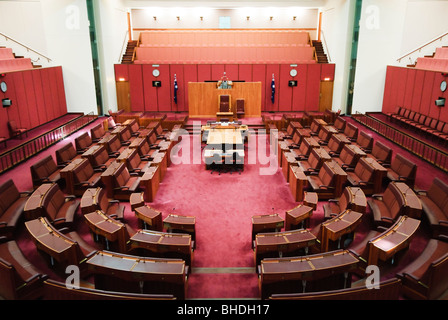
[364,170]
[8,195]
[12,124]
[134,159]
[381,152]
[240,105]
[351,131]
[315,126]
[438,193]
[224,103]
[102,199]
[39,169]
[53,201]
[340,123]
[365,140]
[83,141]
[121,176]
[97,132]
[65,154]
[83,172]
[391,200]
[406,113]
[433,123]
[326,175]
[134,127]
[114,143]
[100,156]
[404,167]
[296,138]
[159,129]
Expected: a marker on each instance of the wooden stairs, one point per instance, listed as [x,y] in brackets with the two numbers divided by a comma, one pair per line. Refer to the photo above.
[321,56]
[127,56]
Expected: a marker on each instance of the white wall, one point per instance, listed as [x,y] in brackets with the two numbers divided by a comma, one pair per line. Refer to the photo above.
[282,17]
[112,28]
[379,45]
[337,30]
[389,29]
[68,43]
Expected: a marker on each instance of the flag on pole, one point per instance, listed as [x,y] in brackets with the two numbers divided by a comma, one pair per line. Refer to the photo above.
[273,89]
[175,89]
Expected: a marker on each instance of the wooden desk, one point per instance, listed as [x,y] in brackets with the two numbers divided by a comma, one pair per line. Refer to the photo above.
[413,206]
[297,182]
[288,160]
[266,223]
[282,244]
[230,139]
[107,178]
[49,240]
[181,224]
[310,199]
[324,271]
[91,153]
[393,240]
[298,217]
[126,273]
[150,182]
[89,200]
[33,206]
[203,98]
[163,244]
[113,231]
[333,229]
[149,218]
[356,199]
[67,174]
[160,159]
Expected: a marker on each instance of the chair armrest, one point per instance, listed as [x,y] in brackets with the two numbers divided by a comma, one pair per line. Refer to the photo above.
[70,197]
[377,196]
[323,142]
[422,192]
[334,200]
[26,193]
[314,173]
[57,220]
[114,201]
[114,154]
[334,153]
[349,169]
[443,222]
[3,223]
[387,218]
[134,174]
[326,187]
[121,188]
[126,143]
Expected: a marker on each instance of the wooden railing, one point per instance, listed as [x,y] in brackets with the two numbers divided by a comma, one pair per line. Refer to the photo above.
[17,155]
[420,148]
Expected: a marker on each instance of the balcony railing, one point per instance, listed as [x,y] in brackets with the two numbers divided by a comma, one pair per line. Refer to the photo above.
[14,157]
[420,148]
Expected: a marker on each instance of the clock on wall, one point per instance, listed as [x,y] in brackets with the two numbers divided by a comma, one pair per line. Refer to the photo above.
[3,86]
[293,72]
[443,86]
[155,72]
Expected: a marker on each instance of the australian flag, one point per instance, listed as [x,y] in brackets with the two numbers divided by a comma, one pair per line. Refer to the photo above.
[175,89]
[273,89]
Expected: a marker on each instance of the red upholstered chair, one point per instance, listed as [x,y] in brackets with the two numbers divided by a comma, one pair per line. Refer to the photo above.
[3,140]
[14,130]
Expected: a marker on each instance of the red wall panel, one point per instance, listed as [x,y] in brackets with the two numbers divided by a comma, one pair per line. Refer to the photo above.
[46,86]
[436,111]
[217,71]
[299,94]
[149,92]
[61,91]
[426,93]
[401,85]
[285,91]
[40,100]
[23,116]
[245,72]
[164,92]
[232,71]
[54,92]
[327,72]
[31,99]
[410,79]
[204,72]
[136,87]
[259,75]
[417,92]
[121,72]
[313,87]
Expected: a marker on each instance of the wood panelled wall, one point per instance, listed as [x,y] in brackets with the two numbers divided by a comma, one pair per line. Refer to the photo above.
[416,90]
[306,96]
[37,95]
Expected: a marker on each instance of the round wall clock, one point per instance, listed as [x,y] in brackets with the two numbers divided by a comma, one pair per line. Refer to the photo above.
[293,72]
[155,72]
[443,86]
[3,86]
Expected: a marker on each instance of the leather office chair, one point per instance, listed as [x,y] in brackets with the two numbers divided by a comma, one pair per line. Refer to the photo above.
[14,130]
[240,108]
